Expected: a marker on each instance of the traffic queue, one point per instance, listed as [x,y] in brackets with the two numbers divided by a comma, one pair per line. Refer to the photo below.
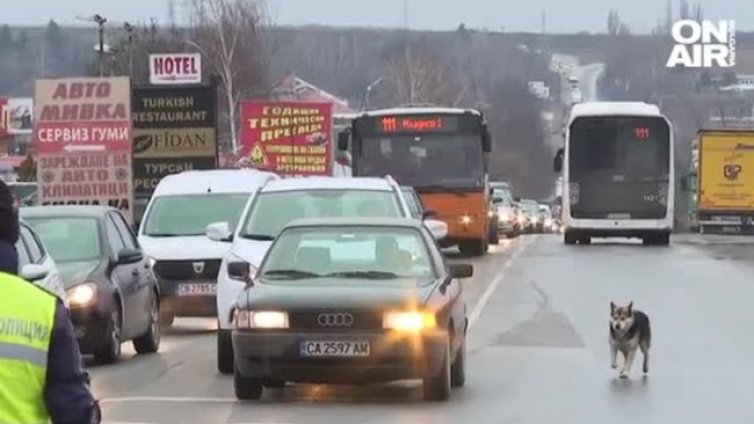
[303,275]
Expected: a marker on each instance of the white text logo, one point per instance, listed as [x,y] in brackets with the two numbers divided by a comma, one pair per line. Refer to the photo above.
[703,44]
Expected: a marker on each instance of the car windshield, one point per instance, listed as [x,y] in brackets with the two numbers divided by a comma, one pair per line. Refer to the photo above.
[271,211]
[189,215]
[379,253]
[529,207]
[69,239]
[413,203]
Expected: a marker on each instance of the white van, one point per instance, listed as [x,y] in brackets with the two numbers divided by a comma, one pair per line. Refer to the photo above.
[173,229]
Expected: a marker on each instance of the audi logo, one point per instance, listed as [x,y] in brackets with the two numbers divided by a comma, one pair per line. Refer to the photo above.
[335,320]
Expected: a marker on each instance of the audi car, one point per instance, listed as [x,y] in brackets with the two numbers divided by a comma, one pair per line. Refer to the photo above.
[350,301]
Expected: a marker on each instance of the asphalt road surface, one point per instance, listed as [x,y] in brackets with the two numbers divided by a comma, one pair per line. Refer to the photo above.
[538,349]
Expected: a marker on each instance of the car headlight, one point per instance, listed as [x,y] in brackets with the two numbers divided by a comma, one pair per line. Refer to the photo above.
[81,295]
[261,319]
[548,222]
[411,322]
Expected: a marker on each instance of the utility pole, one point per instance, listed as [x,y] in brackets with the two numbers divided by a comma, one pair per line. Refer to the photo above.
[130,30]
[101,21]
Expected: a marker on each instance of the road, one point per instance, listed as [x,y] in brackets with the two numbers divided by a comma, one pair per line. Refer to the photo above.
[538,349]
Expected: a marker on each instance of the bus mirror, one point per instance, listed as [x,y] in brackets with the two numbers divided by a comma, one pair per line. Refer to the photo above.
[557,163]
[343,139]
[487,141]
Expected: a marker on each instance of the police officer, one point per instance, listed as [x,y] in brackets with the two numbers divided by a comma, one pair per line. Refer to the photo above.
[41,378]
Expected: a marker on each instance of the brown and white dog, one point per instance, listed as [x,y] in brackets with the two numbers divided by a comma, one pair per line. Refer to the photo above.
[629,332]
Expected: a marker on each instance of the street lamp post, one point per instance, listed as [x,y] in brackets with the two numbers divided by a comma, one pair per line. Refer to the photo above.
[100,20]
[130,30]
[368,92]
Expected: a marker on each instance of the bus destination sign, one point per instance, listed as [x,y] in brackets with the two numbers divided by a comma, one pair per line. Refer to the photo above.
[417,124]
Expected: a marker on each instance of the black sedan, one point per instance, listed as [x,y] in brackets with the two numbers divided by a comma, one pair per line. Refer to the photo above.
[110,288]
[351,301]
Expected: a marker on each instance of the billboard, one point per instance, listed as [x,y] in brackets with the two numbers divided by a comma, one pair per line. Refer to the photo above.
[288,138]
[16,116]
[175,69]
[83,139]
[174,130]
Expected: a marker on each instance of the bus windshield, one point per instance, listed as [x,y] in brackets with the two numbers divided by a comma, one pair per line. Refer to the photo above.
[627,148]
[449,160]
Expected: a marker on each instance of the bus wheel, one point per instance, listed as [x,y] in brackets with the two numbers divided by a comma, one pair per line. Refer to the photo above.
[569,238]
[494,236]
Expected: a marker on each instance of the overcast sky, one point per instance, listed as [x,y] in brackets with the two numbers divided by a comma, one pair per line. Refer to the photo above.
[513,15]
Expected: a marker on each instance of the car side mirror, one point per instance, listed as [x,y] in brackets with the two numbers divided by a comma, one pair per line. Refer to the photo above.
[344,137]
[429,214]
[33,272]
[517,199]
[130,256]
[240,271]
[461,270]
[557,163]
[219,232]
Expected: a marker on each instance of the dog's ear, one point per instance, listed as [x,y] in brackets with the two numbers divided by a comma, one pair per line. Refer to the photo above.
[631,308]
[612,307]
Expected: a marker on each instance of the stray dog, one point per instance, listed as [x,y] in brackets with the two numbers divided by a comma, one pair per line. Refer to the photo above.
[629,331]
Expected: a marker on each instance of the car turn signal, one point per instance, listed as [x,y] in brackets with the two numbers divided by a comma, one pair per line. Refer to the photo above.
[411,322]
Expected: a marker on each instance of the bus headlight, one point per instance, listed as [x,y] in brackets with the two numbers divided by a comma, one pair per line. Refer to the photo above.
[465,220]
[573,193]
[663,195]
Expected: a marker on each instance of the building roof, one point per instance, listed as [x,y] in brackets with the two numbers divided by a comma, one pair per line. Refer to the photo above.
[293,88]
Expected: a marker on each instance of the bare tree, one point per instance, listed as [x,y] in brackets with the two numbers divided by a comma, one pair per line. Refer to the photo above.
[230,34]
[419,76]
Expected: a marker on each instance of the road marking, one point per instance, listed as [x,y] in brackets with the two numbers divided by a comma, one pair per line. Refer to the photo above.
[482,302]
[168,399]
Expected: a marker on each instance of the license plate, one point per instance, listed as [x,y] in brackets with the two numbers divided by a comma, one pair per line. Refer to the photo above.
[197,289]
[334,349]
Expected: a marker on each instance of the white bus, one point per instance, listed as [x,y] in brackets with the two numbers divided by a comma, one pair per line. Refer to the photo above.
[618,173]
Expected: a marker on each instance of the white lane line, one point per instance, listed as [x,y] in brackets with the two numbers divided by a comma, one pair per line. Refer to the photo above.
[168,399]
[482,302]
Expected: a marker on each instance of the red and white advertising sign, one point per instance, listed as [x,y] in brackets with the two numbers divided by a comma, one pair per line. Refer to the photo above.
[175,68]
[83,140]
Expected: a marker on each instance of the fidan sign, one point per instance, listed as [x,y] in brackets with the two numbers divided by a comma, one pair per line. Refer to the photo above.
[703,44]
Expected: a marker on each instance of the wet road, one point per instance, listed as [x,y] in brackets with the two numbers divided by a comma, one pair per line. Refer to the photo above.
[538,349]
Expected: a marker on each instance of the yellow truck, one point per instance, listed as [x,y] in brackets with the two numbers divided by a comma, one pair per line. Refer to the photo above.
[725,192]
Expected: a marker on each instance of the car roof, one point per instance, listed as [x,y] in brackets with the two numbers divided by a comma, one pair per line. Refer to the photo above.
[356,222]
[213,181]
[68,211]
[328,183]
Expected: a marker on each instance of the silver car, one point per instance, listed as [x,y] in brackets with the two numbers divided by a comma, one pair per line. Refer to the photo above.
[35,265]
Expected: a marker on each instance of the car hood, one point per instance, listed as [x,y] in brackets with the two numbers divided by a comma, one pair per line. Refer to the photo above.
[337,293]
[73,273]
[251,251]
[183,248]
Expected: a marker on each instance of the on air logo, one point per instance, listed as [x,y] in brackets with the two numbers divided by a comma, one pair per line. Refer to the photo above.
[703,44]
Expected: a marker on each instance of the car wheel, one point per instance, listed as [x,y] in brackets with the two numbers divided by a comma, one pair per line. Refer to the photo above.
[458,369]
[224,352]
[437,387]
[494,236]
[149,342]
[247,388]
[166,320]
[111,350]
[585,240]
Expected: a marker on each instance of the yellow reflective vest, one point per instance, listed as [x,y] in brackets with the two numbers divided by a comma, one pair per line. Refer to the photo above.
[27,315]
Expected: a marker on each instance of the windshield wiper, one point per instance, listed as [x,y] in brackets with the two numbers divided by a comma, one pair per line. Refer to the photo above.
[168,235]
[376,275]
[258,237]
[291,273]
[436,188]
